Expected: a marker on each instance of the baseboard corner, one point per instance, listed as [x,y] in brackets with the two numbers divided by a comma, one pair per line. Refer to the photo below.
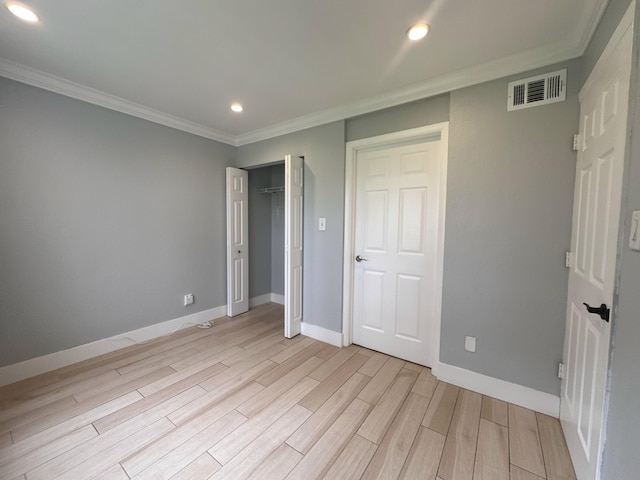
[322,334]
[277,298]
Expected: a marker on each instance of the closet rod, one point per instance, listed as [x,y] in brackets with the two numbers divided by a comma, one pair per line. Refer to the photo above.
[271,190]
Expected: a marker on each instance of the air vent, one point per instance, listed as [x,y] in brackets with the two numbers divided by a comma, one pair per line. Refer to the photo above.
[536,91]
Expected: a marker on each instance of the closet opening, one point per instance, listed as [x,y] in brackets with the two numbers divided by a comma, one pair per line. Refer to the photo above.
[264,239]
[266,234]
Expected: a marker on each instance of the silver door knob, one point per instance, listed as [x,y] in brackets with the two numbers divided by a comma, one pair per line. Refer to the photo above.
[360,259]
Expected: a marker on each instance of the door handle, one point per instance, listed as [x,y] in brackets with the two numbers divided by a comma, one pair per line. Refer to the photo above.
[602,310]
[360,259]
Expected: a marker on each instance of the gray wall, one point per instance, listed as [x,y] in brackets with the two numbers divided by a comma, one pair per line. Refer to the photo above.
[621,459]
[508,223]
[508,226]
[510,195]
[402,117]
[323,149]
[259,233]
[509,202]
[277,232]
[106,221]
[266,232]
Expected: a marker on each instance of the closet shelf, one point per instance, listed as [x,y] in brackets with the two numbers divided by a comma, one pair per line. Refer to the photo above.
[271,190]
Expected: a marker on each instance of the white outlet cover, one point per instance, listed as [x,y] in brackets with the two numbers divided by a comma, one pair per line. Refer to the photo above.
[470,344]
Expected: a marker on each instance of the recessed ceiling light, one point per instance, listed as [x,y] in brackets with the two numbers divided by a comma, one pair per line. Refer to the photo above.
[22,12]
[418,31]
[236,107]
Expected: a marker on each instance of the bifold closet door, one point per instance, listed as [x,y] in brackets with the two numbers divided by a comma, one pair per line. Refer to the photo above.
[237,242]
[293,221]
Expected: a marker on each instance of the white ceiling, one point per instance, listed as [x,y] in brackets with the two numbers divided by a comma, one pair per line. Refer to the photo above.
[291,63]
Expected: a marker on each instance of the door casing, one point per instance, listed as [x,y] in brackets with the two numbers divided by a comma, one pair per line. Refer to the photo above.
[414,135]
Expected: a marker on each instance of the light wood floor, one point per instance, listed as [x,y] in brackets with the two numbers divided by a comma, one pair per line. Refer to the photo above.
[239,401]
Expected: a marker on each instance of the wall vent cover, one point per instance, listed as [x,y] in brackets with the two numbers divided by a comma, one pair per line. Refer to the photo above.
[538,90]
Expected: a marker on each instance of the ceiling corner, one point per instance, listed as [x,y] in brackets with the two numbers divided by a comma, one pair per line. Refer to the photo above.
[585,33]
[45,81]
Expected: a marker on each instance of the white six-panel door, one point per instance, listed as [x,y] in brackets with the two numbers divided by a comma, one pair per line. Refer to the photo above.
[395,246]
[237,242]
[596,214]
[293,224]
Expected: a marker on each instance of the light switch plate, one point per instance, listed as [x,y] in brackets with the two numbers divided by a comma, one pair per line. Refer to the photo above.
[634,237]
[322,224]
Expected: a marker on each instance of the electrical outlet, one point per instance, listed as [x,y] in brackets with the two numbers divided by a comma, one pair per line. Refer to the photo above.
[470,344]
[188,299]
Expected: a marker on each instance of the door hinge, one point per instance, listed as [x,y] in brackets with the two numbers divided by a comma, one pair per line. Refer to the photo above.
[561,370]
[576,142]
[569,259]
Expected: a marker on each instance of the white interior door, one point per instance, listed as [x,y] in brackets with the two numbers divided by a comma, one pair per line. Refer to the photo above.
[596,214]
[293,224]
[237,242]
[395,245]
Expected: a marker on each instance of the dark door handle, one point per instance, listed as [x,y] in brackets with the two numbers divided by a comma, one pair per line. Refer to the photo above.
[602,310]
[360,259]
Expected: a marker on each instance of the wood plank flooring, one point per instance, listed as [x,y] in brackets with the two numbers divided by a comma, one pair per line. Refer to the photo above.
[239,401]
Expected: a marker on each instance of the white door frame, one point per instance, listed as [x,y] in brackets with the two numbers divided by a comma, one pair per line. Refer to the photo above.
[414,135]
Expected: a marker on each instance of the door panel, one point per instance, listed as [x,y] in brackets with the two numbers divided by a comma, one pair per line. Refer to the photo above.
[396,222]
[237,242]
[293,220]
[598,191]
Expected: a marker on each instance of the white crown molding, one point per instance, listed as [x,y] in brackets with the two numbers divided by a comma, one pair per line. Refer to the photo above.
[500,68]
[586,31]
[43,80]
[511,65]
[467,77]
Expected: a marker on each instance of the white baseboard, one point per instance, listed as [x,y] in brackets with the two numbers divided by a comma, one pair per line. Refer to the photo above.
[52,361]
[322,334]
[509,392]
[266,298]
[260,300]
